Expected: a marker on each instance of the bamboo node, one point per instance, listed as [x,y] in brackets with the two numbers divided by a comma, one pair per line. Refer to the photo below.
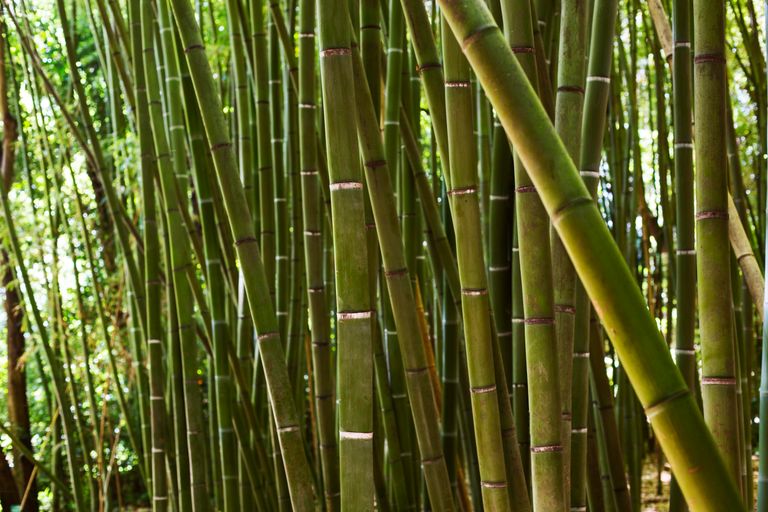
[565,308]
[375,164]
[308,106]
[682,44]
[479,390]
[346,185]
[343,434]
[335,52]
[268,335]
[220,145]
[547,448]
[543,320]
[718,381]
[503,334]
[192,47]
[459,84]
[428,65]
[712,214]
[498,198]
[474,292]
[394,49]
[303,35]
[494,485]
[571,88]
[570,204]
[602,79]
[581,355]
[415,371]
[354,315]
[683,145]
[522,49]
[581,431]
[498,268]
[590,174]
[309,232]
[396,272]
[525,189]
[245,240]
[704,58]
[478,34]
[288,428]
[431,460]
[462,191]
[653,409]
[686,252]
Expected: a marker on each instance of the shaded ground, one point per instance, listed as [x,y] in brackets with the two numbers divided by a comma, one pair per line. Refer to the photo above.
[656,490]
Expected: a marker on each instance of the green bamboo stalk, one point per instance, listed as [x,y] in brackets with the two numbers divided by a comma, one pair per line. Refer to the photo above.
[547,469]
[573,381]
[263,143]
[354,315]
[661,389]
[322,365]
[465,210]
[713,255]
[431,73]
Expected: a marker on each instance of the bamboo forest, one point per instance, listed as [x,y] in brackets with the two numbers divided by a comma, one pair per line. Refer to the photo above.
[390,255]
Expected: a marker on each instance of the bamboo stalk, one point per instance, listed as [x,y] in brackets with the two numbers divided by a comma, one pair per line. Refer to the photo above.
[587,240]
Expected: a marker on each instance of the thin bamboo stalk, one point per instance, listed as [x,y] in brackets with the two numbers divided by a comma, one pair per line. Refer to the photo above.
[256,284]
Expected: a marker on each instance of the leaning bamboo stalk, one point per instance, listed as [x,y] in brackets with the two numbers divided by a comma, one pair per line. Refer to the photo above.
[612,288]
[181,260]
[742,251]
[420,389]
[255,279]
[431,74]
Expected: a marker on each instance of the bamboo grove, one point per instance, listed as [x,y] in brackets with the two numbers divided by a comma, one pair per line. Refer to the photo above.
[383,255]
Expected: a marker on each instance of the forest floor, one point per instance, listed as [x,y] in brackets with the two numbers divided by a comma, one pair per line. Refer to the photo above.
[657,500]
